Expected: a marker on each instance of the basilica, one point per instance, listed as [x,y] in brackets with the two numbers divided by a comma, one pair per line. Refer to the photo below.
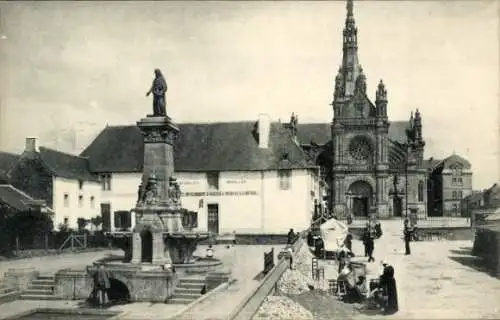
[371,165]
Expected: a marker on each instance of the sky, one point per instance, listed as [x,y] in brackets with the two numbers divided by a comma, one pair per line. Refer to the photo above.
[68,69]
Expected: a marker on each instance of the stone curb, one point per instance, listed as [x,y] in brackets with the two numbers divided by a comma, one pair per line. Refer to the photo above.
[219,288]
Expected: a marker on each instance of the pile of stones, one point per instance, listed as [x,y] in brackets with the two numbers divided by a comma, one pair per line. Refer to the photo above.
[294,282]
[279,307]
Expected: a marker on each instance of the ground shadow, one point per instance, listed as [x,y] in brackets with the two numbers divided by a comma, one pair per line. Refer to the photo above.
[462,251]
[475,263]
[259,276]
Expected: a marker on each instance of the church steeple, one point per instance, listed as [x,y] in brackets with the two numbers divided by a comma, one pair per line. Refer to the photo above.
[350,64]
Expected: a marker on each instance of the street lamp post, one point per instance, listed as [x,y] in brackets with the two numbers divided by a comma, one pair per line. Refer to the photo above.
[406,182]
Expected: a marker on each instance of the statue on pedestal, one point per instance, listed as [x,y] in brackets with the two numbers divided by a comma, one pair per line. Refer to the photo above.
[159,90]
[148,195]
[174,191]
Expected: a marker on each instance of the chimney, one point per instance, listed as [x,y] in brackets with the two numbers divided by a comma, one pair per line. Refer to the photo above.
[264,126]
[31,144]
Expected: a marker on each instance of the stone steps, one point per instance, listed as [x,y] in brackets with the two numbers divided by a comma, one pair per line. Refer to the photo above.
[44,297]
[187,290]
[41,288]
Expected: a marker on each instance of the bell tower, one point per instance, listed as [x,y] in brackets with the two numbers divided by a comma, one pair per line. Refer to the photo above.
[359,135]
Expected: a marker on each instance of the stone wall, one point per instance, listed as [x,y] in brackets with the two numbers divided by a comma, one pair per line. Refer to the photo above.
[72,284]
[148,286]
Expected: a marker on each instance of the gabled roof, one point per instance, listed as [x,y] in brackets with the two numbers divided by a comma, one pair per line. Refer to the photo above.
[229,146]
[454,158]
[7,161]
[15,198]
[66,165]
[473,197]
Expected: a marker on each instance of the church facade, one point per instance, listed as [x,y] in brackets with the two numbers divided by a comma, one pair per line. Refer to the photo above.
[368,168]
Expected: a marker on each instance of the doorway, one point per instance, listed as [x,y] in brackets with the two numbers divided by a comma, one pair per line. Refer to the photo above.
[362,194]
[213,218]
[146,246]
[360,206]
[397,204]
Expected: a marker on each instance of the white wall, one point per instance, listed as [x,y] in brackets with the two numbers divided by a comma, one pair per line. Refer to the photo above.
[75,209]
[260,207]
[248,201]
[123,193]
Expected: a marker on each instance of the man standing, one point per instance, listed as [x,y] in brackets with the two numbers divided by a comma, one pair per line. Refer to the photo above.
[103,285]
[369,243]
[290,237]
[407,236]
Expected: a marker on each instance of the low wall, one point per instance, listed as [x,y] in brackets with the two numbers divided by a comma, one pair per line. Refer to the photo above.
[251,304]
[143,286]
[430,233]
[72,284]
[249,239]
[20,278]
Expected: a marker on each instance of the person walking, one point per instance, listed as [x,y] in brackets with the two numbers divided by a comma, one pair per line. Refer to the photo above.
[369,243]
[407,234]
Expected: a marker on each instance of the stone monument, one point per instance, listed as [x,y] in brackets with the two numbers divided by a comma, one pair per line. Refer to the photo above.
[159,236]
[163,237]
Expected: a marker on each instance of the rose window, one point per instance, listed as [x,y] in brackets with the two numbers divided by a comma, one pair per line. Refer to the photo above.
[360,149]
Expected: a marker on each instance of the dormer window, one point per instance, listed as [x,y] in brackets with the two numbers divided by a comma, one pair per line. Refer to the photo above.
[213,180]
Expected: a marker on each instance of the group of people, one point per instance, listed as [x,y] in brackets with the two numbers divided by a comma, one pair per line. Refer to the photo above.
[380,293]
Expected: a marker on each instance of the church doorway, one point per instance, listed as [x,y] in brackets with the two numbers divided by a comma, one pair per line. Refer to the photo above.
[146,246]
[361,194]
[397,204]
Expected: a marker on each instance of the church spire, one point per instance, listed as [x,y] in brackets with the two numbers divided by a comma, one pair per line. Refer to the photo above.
[350,64]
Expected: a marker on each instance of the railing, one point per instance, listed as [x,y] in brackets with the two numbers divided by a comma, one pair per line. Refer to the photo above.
[78,241]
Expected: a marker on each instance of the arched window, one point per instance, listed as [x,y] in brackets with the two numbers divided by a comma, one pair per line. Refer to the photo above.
[420,191]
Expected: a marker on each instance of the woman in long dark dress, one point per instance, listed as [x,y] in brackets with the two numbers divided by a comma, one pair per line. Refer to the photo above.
[388,286]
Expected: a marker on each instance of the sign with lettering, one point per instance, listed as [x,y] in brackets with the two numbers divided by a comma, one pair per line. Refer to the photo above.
[219,193]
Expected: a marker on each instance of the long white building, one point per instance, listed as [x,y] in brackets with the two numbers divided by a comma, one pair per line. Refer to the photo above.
[243,177]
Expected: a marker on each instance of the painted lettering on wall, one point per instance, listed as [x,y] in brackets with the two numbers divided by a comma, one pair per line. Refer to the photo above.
[236,181]
[219,193]
[186,182]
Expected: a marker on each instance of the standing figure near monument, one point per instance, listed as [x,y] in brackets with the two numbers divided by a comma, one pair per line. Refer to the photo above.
[159,90]
[407,236]
[101,285]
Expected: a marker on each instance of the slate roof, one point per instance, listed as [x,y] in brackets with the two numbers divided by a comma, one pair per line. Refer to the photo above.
[14,198]
[7,161]
[66,165]
[431,163]
[229,146]
[319,133]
